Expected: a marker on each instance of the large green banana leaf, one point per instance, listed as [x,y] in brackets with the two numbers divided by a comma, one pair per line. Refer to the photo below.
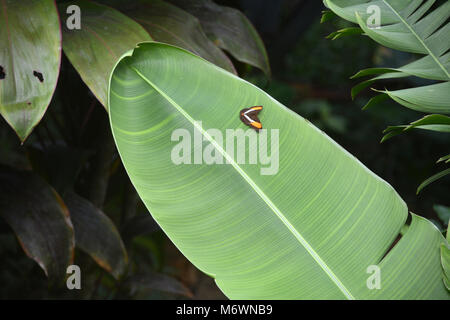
[312,230]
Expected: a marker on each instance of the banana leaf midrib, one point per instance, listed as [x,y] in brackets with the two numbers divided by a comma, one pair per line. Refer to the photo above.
[255,187]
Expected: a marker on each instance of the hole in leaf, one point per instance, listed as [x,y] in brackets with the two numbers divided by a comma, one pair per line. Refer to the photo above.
[2,73]
[402,232]
[38,75]
[399,236]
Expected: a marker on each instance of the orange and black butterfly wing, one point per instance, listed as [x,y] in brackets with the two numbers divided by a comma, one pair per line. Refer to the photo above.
[256,124]
[249,116]
[242,116]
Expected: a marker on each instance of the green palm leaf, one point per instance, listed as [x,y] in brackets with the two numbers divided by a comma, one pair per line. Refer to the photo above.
[309,231]
[432,179]
[411,26]
[432,122]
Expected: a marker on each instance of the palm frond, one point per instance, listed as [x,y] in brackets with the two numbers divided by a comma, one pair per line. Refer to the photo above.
[413,26]
[416,26]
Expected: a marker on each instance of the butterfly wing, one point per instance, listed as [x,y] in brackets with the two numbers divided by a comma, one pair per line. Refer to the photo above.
[256,108]
[256,125]
[251,114]
[243,116]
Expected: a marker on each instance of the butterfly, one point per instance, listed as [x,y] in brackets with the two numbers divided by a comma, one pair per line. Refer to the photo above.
[249,116]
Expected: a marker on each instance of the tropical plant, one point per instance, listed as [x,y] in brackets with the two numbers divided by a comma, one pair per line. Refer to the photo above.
[417,26]
[27,89]
[310,231]
[64,189]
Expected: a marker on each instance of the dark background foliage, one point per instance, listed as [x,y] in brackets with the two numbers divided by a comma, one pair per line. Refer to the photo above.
[310,75]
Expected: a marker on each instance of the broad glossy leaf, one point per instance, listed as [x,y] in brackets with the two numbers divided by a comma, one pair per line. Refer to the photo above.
[105,35]
[40,220]
[96,234]
[169,24]
[30,55]
[310,230]
[434,98]
[230,30]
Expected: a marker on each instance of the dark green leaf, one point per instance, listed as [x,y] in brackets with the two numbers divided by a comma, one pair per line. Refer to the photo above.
[139,225]
[375,100]
[327,15]
[230,30]
[344,32]
[372,71]
[59,165]
[104,36]
[384,76]
[411,26]
[433,98]
[158,282]
[424,68]
[40,219]
[433,179]
[443,213]
[432,122]
[169,24]
[445,159]
[96,234]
